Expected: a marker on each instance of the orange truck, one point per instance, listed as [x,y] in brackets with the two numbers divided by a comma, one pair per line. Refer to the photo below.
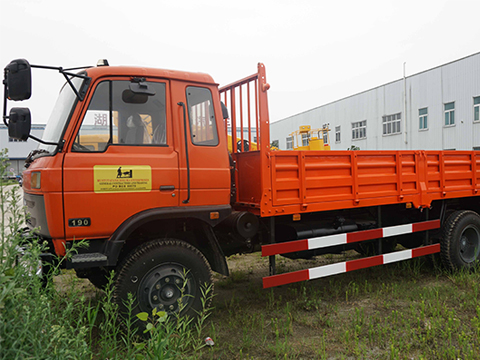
[135,160]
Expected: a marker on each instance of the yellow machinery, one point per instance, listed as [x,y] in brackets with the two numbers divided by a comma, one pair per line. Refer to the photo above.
[306,138]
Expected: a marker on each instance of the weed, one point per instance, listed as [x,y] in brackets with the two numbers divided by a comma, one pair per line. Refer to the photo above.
[40,321]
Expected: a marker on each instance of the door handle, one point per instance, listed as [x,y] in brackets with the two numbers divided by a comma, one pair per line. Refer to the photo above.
[167,187]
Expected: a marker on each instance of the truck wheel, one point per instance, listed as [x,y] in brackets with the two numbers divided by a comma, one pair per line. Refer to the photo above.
[460,243]
[164,274]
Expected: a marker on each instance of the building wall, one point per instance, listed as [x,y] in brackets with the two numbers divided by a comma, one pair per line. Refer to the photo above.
[19,150]
[457,82]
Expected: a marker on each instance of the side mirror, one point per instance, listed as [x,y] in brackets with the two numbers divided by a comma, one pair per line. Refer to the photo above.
[18,76]
[19,123]
[224,111]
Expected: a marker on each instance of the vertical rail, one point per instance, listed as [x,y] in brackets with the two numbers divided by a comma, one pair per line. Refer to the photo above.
[225,121]
[442,174]
[242,124]
[399,170]
[240,112]
[249,118]
[353,160]
[256,112]
[242,147]
[271,258]
[233,117]
[473,159]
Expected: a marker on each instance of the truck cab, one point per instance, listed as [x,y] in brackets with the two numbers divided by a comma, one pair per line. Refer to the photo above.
[131,158]
[141,139]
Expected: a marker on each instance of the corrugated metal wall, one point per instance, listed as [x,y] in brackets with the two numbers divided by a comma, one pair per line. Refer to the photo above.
[18,151]
[457,82]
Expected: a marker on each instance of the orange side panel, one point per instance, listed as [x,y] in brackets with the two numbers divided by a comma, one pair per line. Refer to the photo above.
[248,177]
[307,181]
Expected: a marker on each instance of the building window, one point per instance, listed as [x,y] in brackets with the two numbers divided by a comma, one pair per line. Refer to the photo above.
[423,119]
[449,113]
[290,143]
[391,124]
[337,134]
[476,108]
[15,140]
[305,139]
[359,130]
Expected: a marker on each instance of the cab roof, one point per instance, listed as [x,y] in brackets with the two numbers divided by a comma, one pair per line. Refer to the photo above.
[102,71]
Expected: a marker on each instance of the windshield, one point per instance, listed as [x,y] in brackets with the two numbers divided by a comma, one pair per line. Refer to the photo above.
[61,111]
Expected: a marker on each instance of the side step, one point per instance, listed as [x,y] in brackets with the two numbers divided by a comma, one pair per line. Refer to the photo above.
[88,260]
[342,267]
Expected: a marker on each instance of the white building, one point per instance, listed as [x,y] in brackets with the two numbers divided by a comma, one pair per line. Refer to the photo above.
[19,150]
[441,110]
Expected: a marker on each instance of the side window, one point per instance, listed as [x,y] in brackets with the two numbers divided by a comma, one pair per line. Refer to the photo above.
[116,115]
[202,116]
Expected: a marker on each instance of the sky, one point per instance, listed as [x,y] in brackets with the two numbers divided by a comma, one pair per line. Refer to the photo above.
[315,51]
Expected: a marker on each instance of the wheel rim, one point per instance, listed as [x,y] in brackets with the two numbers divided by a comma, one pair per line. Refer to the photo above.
[166,288]
[470,244]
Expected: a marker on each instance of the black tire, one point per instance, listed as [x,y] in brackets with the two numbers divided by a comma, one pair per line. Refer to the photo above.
[155,274]
[460,243]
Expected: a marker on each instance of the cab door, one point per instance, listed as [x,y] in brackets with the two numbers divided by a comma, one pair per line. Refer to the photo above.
[122,160]
[204,163]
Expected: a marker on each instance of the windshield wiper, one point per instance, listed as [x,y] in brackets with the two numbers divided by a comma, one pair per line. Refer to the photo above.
[32,154]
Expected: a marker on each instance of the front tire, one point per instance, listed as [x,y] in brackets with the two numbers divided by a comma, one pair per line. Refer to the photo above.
[460,244]
[164,274]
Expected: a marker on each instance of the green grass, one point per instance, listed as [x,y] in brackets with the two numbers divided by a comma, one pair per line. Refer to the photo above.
[399,311]
[66,318]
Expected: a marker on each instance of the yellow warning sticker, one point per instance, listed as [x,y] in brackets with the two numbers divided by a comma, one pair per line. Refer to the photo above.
[122,178]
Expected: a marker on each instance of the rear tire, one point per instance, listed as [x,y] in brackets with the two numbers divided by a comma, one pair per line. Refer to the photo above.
[460,243]
[159,274]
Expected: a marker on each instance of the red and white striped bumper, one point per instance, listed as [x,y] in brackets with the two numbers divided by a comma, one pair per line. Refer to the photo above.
[339,239]
[342,267]
[347,238]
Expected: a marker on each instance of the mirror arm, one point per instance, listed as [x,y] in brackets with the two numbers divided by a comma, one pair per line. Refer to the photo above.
[72,86]
[46,67]
[5,117]
[66,74]
[78,68]
[43,142]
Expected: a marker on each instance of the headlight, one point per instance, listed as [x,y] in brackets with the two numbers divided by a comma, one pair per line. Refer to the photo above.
[35,181]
